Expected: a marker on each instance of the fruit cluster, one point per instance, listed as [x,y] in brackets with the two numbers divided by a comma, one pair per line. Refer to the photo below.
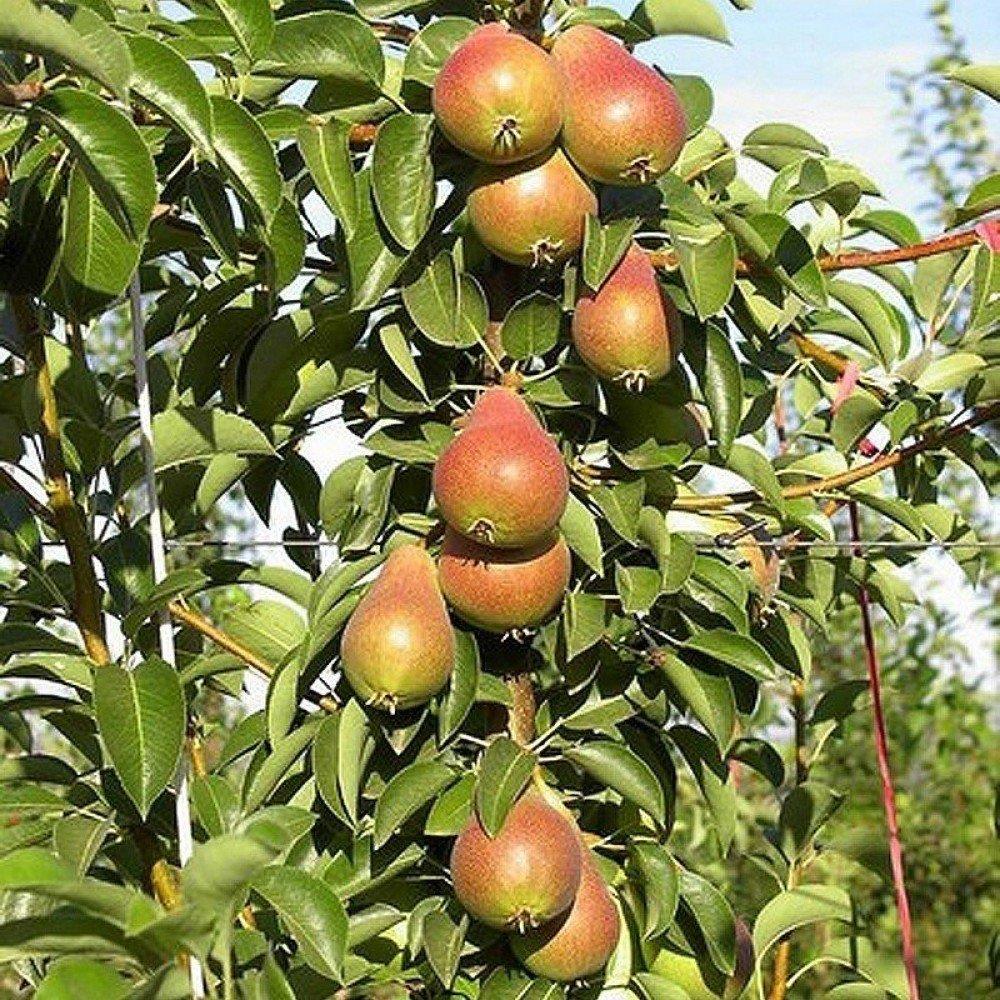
[544,126]
[501,487]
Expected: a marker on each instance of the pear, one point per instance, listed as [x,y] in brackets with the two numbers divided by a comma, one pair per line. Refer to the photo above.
[531,213]
[501,481]
[498,96]
[524,876]
[398,648]
[630,329]
[624,122]
[579,943]
[504,590]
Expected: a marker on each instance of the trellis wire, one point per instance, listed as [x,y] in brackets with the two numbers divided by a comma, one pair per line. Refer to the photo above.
[717,546]
[885,774]
[182,805]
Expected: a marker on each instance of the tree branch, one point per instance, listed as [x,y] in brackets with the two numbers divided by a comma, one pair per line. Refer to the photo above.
[849,477]
[66,514]
[849,259]
[188,616]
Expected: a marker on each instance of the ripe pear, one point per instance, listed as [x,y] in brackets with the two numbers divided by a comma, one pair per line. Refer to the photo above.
[501,481]
[498,96]
[524,876]
[531,213]
[503,590]
[398,648]
[628,330]
[579,943]
[624,122]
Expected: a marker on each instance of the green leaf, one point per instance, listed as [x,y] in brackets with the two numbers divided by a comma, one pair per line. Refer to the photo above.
[622,505]
[531,327]
[951,371]
[408,791]
[250,22]
[714,918]
[660,886]
[755,467]
[461,688]
[313,914]
[617,767]
[163,79]
[141,717]
[735,650]
[453,808]
[109,149]
[708,696]
[373,258]
[503,772]
[585,621]
[247,157]
[872,311]
[579,528]
[97,260]
[707,264]
[186,434]
[448,308]
[443,942]
[432,45]
[796,908]
[396,346]
[721,381]
[210,202]
[681,17]
[984,77]
[403,176]
[604,246]
[70,978]
[26,26]
[327,45]
[326,151]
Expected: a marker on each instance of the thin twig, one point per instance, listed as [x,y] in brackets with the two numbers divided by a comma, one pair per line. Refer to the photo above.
[885,775]
[718,501]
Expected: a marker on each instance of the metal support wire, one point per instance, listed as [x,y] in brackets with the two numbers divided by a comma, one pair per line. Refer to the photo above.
[720,545]
[182,806]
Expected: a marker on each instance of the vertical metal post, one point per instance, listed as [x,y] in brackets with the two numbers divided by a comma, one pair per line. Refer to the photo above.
[182,806]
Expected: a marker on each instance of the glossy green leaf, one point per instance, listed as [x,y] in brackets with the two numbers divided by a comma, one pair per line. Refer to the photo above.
[984,77]
[109,149]
[250,22]
[246,157]
[403,177]
[28,27]
[681,17]
[734,650]
[408,791]
[165,80]
[503,772]
[141,717]
[326,151]
[531,327]
[187,434]
[618,767]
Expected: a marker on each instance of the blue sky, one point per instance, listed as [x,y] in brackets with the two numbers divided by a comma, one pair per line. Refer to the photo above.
[825,65]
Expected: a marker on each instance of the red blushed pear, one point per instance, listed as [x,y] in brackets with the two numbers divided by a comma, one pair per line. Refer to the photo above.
[504,590]
[629,330]
[501,481]
[398,648]
[579,943]
[624,122]
[526,875]
[499,97]
[531,213]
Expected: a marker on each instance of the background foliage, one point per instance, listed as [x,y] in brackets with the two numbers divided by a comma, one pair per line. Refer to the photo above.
[226,154]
